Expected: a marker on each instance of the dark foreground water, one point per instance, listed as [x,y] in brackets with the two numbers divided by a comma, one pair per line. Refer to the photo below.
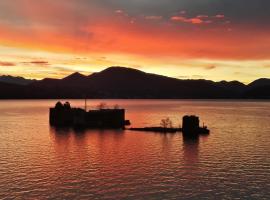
[233,162]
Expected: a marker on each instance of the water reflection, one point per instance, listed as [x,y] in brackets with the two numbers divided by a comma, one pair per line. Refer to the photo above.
[191,149]
[166,141]
[66,138]
[39,162]
[63,136]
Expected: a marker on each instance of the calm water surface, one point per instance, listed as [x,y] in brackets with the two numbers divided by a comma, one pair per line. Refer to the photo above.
[233,162]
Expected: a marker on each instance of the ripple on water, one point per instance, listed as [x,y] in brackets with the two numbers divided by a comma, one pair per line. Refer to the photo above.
[38,162]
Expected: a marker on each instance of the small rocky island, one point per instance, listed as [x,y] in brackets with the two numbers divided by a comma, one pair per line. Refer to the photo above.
[190,127]
[63,115]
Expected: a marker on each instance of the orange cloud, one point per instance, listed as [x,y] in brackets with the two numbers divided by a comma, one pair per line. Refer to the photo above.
[160,40]
[38,62]
[210,67]
[7,64]
[102,31]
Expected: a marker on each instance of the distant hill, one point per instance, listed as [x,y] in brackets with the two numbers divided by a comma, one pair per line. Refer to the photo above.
[11,91]
[260,92]
[258,89]
[121,82]
[15,80]
[259,83]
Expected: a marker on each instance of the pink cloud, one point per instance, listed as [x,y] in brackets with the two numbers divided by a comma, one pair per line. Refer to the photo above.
[178,18]
[119,11]
[183,12]
[194,20]
[208,21]
[153,17]
[199,19]
[220,16]
[202,16]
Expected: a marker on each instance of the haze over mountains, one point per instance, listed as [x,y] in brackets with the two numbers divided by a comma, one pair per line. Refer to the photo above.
[120,82]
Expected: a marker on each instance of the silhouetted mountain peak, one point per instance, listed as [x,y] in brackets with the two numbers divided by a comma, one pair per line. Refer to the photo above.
[75,76]
[118,76]
[231,82]
[260,82]
[49,79]
[235,84]
[117,70]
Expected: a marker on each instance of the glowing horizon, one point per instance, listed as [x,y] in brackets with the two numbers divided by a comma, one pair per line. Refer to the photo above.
[187,40]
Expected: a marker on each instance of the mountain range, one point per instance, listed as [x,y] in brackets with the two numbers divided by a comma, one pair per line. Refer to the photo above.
[15,80]
[127,83]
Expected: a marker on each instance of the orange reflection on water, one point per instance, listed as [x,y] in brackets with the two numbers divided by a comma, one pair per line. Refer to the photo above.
[38,162]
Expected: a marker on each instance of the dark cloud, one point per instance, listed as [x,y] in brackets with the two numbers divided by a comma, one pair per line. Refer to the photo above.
[210,67]
[238,10]
[7,64]
[38,62]
[81,58]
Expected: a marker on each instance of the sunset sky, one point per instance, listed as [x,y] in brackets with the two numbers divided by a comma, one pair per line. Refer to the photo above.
[210,39]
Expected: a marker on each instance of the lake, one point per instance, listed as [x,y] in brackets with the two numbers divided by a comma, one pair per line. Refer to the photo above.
[40,162]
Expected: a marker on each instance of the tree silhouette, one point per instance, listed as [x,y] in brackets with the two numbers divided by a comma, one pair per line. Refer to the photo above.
[58,105]
[101,106]
[67,105]
[166,123]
